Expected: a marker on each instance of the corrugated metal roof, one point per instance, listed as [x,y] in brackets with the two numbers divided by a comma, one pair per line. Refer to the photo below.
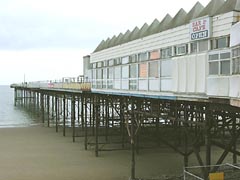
[143,30]
[118,39]
[134,34]
[194,12]
[213,8]
[164,24]
[125,37]
[229,5]
[112,41]
[178,19]
[99,48]
[152,29]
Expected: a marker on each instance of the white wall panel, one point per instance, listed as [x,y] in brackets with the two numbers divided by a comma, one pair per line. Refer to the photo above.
[166,84]
[182,74]
[234,87]
[154,84]
[174,76]
[125,84]
[117,84]
[143,84]
[191,73]
[218,86]
[201,73]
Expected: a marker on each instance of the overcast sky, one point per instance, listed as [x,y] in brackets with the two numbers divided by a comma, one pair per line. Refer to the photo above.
[46,39]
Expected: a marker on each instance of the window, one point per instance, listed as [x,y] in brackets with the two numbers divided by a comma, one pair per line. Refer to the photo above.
[105,63]
[110,73]
[99,73]
[236,61]
[111,62]
[166,52]
[133,58]
[99,64]
[133,84]
[105,73]
[221,42]
[117,72]
[203,45]
[153,69]
[125,60]
[143,56]
[194,47]
[133,71]
[94,73]
[94,65]
[125,72]
[155,54]
[219,63]
[117,61]
[181,49]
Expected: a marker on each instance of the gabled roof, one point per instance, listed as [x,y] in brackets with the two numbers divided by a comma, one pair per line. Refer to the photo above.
[143,30]
[229,5]
[100,46]
[194,12]
[118,39]
[152,29]
[105,45]
[112,41]
[125,37]
[179,19]
[212,8]
[134,34]
[164,24]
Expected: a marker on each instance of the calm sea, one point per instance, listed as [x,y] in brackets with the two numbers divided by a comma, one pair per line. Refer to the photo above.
[11,116]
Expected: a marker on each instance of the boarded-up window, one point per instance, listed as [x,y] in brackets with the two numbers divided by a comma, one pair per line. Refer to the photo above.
[155,54]
[133,71]
[143,70]
[153,69]
[125,72]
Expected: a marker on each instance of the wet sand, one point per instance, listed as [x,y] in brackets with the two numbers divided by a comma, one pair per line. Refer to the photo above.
[36,153]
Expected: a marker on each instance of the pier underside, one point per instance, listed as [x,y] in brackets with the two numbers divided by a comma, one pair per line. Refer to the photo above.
[116,122]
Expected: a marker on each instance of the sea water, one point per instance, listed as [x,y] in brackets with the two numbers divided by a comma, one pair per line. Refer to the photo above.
[13,116]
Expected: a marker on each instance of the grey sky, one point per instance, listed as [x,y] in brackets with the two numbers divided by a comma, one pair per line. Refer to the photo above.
[31,29]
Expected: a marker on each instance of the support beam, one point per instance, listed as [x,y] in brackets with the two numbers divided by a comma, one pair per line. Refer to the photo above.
[73,117]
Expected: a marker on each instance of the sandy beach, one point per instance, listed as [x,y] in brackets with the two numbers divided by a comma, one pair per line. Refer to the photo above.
[41,153]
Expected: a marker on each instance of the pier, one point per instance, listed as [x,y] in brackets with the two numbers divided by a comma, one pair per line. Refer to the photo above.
[121,121]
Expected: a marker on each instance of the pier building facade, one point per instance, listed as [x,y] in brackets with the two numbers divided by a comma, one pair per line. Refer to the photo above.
[190,55]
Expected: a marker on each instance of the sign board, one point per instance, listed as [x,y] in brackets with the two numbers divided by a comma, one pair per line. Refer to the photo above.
[200,29]
[216,176]
[235,35]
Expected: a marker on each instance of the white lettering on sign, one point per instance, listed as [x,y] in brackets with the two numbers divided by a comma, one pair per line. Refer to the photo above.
[200,29]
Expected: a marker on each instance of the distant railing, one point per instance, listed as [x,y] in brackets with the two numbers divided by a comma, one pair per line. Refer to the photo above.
[74,83]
